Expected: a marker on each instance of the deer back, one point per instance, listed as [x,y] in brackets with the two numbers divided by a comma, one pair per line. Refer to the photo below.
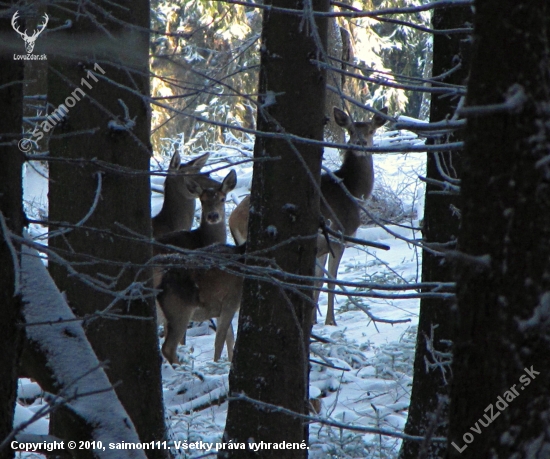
[238,221]
[206,290]
[201,293]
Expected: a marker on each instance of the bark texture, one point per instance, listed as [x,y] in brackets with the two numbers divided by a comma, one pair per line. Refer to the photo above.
[101,176]
[504,284]
[271,355]
[11,199]
[429,409]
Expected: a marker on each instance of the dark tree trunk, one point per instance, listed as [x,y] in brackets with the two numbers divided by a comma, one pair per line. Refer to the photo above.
[36,74]
[128,344]
[428,412]
[502,345]
[271,355]
[11,199]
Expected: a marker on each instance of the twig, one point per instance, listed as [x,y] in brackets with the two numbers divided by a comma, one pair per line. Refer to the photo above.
[329,422]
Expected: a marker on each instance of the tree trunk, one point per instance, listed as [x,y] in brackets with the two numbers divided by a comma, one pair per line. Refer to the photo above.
[335,48]
[428,412]
[48,358]
[36,75]
[117,181]
[499,398]
[271,355]
[11,199]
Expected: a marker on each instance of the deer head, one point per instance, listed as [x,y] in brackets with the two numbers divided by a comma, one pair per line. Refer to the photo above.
[360,132]
[29,41]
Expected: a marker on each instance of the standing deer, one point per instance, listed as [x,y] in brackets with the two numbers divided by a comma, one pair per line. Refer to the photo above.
[178,208]
[201,294]
[211,230]
[356,175]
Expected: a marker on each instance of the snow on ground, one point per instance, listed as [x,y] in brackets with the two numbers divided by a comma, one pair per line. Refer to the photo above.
[367,382]
[368,386]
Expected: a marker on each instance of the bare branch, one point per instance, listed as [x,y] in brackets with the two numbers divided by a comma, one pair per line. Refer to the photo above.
[329,422]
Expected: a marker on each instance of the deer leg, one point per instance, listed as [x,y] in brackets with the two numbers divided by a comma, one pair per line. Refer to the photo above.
[222,333]
[230,342]
[320,263]
[157,279]
[161,320]
[177,315]
[333,263]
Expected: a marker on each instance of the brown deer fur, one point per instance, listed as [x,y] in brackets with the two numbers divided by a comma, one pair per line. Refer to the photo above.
[355,177]
[178,208]
[193,293]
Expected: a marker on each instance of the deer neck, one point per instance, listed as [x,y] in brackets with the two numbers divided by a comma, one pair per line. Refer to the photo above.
[357,173]
[177,210]
[212,233]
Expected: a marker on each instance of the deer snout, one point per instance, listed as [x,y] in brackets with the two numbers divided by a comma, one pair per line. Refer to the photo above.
[363,141]
[213,217]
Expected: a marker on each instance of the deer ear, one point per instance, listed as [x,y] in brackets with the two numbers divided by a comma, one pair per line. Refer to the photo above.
[379,121]
[229,182]
[341,117]
[199,162]
[193,188]
[175,162]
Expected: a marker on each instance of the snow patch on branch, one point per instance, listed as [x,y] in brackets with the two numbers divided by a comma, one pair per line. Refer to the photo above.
[128,123]
[540,320]
[84,385]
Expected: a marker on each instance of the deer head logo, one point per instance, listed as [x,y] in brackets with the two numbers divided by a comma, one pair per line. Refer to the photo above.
[29,41]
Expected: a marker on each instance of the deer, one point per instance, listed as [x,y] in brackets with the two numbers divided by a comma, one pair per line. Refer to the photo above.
[341,189]
[211,230]
[200,293]
[212,226]
[178,209]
